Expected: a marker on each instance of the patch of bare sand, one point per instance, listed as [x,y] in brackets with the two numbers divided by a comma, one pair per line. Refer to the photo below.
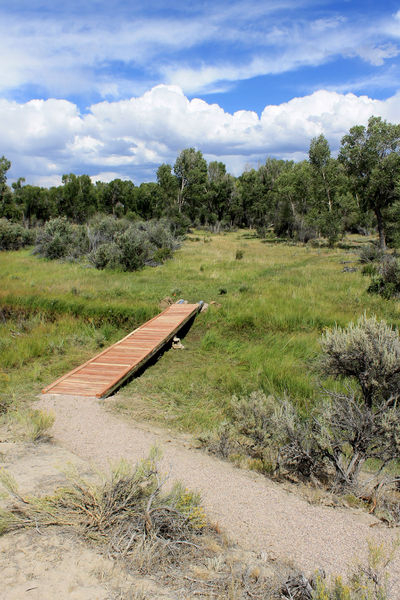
[52,564]
[256,513]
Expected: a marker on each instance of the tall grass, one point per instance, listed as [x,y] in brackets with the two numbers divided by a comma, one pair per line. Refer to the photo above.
[264,335]
[35,349]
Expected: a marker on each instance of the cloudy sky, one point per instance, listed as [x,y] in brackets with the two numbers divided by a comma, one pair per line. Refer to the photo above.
[113,88]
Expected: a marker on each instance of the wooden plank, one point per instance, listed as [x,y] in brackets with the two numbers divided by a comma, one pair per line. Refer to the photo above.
[106,371]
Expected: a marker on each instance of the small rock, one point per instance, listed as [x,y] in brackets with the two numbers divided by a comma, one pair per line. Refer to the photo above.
[167,301]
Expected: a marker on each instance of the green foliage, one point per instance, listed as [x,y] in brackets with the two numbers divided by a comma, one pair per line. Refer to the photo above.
[329,191]
[369,269]
[392,224]
[239,254]
[77,200]
[13,236]
[35,204]
[190,169]
[61,239]
[386,280]
[372,160]
[370,253]
[107,242]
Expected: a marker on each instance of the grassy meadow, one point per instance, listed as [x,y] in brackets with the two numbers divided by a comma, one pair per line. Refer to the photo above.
[261,334]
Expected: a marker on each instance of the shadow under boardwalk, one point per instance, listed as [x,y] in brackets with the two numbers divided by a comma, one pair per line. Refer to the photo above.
[107,371]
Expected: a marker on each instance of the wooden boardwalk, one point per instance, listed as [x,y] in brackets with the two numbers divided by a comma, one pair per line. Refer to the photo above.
[104,373]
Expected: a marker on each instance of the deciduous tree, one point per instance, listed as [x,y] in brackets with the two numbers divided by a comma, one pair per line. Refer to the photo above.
[371,156]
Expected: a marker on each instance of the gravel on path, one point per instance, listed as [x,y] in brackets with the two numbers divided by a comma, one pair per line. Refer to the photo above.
[255,512]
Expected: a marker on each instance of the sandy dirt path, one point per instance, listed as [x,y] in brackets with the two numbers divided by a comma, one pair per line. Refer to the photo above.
[255,512]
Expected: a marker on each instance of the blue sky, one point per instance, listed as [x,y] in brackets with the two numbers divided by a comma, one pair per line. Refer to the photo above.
[99,67]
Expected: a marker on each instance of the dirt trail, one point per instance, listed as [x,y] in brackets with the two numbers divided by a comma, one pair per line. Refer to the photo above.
[255,512]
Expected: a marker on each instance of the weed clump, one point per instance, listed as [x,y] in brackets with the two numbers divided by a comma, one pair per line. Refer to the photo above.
[33,425]
[366,582]
[148,530]
[239,254]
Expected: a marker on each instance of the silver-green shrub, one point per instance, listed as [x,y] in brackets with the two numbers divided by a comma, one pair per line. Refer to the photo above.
[369,352]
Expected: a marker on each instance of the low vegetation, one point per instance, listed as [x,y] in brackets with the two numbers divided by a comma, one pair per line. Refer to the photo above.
[107,242]
[367,581]
[147,529]
[386,278]
[150,530]
[31,425]
[345,430]
[14,236]
[262,334]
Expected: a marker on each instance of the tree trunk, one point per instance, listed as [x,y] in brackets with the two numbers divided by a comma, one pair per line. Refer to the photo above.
[327,191]
[381,230]
[180,195]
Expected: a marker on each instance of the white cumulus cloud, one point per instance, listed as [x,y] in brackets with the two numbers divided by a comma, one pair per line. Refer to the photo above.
[131,138]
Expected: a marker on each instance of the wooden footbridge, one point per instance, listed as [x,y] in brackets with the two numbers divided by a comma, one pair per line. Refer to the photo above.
[104,373]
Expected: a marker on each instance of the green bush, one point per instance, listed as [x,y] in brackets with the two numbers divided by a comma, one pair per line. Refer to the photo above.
[14,236]
[387,280]
[369,269]
[162,254]
[106,255]
[135,248]
[344,430]
[370,253]
[108,242]
[369,352]
[239,254]
[103,229]
[159,234]
[392,226]
[61,239]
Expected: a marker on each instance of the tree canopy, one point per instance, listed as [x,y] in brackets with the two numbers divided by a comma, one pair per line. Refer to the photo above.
[321,196]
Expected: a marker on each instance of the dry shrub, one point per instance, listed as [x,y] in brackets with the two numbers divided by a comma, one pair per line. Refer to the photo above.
[123,511]
[270,432]
[166,535]
[151,531]
[365,582]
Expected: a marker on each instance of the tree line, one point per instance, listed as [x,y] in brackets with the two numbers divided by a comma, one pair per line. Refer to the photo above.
[321,196]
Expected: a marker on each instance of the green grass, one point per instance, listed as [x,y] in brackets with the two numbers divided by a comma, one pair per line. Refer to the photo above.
[35,350]
[264,335]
